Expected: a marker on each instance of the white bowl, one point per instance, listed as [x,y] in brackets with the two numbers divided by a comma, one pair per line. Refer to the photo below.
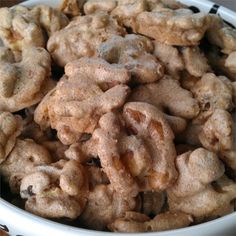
[19,222]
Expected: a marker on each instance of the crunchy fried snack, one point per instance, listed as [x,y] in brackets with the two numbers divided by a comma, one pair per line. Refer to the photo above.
[134,52]
[131,127]
[10,129]
[212,92]
[77,103]
[72,7]
[196,170]
[50,19]
[24,84]
[57,190]
[134,222]
[86,34]
[230,63]
[100,72]
[216,134]
[179,27]
[127,11]
[136,157]
[170,56]
[94,6]
[54,204]
[160,94]
[18,28]
[222,35]
[195,61]
[104,206]
[149,124]
[206,202]
[25,155]
[228,156]
[121,180]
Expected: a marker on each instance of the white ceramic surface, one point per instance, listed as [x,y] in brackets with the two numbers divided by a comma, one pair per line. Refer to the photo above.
[20,222]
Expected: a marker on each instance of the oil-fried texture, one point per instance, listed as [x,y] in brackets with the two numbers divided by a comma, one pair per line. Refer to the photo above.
[86,34]
[134,222]
[196,170]
[149,124]
[25,83]
[134,53]
[104,206]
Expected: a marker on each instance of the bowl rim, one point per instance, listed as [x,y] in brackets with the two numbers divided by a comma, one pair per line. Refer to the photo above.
[49,223]
[29,217]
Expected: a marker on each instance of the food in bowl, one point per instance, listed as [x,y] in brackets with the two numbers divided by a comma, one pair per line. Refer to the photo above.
[119,115]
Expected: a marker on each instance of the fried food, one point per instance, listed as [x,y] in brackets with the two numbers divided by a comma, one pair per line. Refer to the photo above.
[127,122]
[86,34]
[10,129]
[134,52]
[25,83]
[134,222]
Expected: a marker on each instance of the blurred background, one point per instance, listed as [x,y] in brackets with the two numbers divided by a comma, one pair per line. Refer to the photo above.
[228,3]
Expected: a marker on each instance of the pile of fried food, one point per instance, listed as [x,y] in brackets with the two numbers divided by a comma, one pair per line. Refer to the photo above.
[139,133]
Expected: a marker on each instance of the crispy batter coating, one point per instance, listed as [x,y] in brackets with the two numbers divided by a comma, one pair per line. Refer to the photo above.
[229,156]
[222,35]
[136,157]
[195,61]
[127,11]
[25,155]
[24,84]
[230,63]
[56,190]
[134,52]
[170,57]
[149,124]
[179,27]
[133,117]
[206,202]
[94,6]
[54,203]
[134,222]
[86,34]
[99,71]
[76,105]
[10,129]
[160,94]
[196,170]
[216,134]
[212,92]
[72,7]
[50,19]
[18,28]
[108,152]
[104,206]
